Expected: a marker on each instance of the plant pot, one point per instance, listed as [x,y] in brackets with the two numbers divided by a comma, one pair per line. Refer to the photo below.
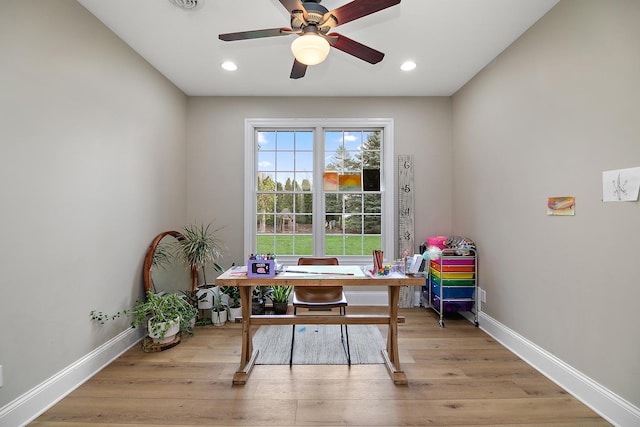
[170,328]
[218,318]
[234,313]
[205,302]
[257,306]
[280,307]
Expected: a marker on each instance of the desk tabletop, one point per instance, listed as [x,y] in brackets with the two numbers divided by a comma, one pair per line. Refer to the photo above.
[319,276]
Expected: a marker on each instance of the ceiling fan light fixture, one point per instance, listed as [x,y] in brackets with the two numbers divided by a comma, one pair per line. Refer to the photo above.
[310,49]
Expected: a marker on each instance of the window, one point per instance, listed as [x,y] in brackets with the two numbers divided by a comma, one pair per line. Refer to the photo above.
[319,188]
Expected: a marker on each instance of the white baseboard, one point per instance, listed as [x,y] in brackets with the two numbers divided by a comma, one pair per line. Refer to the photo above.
[30,405]
[607,404]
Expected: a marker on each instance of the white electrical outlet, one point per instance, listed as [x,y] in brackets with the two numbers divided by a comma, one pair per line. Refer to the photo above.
[483,295]
[1,379]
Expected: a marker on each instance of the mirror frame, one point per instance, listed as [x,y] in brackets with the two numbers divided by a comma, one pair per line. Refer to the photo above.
[148,261]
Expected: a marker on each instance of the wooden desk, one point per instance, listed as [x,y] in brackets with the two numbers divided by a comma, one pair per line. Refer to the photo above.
[393,284]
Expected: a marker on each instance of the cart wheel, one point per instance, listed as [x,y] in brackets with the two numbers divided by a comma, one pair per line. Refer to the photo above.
[477,323]
[442,323]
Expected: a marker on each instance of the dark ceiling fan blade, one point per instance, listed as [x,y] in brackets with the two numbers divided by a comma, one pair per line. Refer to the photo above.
[356,49]
[299,69]
[255,34]
[357,9]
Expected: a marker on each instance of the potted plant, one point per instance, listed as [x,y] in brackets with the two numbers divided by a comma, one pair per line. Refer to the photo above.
[200,245]
[235,308]
[164,315]
[280,298]
[258,295]
[219,310]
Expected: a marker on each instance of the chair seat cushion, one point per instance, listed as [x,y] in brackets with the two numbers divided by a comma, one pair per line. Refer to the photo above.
[318,296]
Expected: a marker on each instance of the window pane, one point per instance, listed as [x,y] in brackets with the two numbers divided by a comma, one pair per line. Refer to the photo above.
[352,140]
[303,245]
[304,181]
[266,203]
[266,181]
[304,203]
[304,224]
[332,141]
[353,224]
[372,243]
[264,223]
[352,203]
[372,224]
[304,161]
[372,203]
[304,141]
[285,141]
[284,161]
[266,141]
[332,203]
[284,245]
[266,244]
[334,245]
[266,160]
[353,245]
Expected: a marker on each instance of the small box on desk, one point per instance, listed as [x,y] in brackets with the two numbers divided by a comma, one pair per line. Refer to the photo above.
[261,268]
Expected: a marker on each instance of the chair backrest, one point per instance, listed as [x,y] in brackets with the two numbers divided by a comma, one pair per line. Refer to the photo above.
[318,295]
[317,261]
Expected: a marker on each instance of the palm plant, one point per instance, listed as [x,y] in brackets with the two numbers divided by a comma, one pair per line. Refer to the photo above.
[200,246]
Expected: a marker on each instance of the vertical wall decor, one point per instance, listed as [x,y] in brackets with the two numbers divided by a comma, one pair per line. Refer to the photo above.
[621,185]
[405,219]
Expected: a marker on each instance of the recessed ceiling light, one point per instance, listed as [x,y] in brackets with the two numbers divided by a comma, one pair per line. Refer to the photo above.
[229,66]
[408,66]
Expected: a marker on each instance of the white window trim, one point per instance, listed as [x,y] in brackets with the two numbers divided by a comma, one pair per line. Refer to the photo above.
[387,173]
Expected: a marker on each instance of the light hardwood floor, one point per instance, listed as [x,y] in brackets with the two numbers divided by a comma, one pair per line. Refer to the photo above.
[458,376]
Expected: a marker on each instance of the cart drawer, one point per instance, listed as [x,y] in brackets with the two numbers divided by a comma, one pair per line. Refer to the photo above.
[453,282]
[451,275]
[451,306]
[452,268]
[451,292]
[462,260]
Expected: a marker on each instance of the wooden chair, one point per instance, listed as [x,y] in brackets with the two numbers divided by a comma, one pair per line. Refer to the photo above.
[320,298]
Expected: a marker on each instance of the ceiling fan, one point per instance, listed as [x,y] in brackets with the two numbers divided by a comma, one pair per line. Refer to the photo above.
[312,22]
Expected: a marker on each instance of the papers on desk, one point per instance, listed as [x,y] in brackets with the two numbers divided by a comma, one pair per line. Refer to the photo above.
[322,271]
[238,270]
[391,275]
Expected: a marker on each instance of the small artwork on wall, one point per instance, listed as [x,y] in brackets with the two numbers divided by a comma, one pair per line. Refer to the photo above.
[330,181]
[350,182]
[561,206]
[621,185]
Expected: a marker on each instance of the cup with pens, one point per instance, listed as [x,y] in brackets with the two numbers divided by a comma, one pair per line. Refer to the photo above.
[379,268]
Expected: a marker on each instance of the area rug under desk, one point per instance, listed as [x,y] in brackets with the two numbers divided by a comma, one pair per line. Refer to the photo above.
[318,345]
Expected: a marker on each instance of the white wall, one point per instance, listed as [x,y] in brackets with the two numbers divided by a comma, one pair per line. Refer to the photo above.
[92,167]
[216,153]
[554,111]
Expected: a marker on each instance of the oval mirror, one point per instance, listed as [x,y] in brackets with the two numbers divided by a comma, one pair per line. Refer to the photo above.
[163,270]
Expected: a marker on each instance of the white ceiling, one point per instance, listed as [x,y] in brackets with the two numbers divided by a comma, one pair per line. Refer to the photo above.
[450,40]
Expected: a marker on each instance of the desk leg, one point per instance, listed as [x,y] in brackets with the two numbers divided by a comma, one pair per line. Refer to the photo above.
[391,356]
[248,356]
